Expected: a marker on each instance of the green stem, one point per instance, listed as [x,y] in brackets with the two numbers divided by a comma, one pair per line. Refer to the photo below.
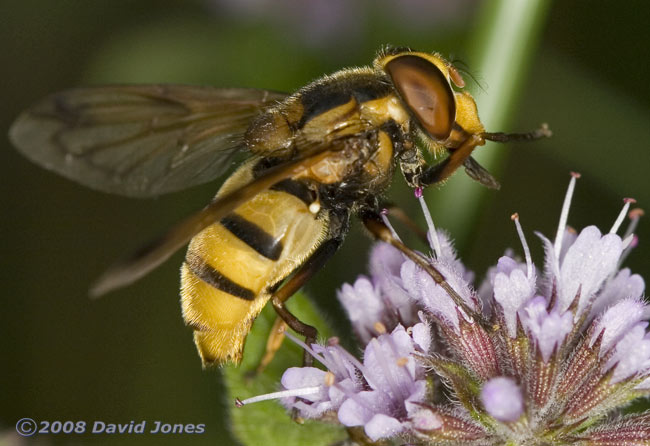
[500,51]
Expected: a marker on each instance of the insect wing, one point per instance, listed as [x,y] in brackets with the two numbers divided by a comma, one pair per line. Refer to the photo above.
[139,140]
[156,252]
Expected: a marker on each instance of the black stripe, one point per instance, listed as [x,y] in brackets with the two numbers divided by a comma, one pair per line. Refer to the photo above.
[254,236]
[297,189]
[207,273]
[320,100]
[323,96]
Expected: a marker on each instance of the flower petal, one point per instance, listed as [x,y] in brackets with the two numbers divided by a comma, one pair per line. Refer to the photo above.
[359,410]
[382,426]
[364,307]
[422,336]
[586,265]
[421,287]
[617,320]
[512,290]
[623,285]
[632,354]
[548,329]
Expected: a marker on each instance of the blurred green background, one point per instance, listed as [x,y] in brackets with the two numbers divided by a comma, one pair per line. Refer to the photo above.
[584,70]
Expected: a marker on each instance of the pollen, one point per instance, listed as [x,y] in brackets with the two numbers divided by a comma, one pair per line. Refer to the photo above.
[329,379]
[314,207]
[380,328]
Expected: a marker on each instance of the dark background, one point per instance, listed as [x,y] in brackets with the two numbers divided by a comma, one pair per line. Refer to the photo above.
[128,356]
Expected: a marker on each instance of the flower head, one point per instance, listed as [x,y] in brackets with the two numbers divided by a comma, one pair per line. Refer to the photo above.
[381,297]
[378,394]
[539,357]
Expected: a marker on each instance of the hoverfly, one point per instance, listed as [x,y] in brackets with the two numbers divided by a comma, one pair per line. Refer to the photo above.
[317,157]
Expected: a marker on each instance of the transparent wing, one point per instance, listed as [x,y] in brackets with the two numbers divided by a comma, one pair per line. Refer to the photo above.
[139,140]
[150,256]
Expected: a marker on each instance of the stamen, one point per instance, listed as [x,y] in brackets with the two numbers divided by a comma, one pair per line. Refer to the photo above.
[306,347]
[564,215]
[387,223]
[355,362]
[529,262]
[634,215]
[275,395]
[635,241]
[621,215]
[433,234]
[627,241]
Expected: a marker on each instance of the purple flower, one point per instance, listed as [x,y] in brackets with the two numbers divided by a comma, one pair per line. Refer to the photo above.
[329,387]
[502,399]
[548,356]
[623,285]
[396,382]
[378,394]
[512,289]
[427,293]
[588,263]
[365,308]
[631,356]
[548,329]
[312,391]
[379,302]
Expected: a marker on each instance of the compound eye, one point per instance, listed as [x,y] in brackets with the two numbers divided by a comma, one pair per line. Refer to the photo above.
[427,93]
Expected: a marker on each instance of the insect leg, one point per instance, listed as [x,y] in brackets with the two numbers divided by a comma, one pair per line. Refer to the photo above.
[442,171]
[273,344]
[478,173]
[306,271]
[379,230]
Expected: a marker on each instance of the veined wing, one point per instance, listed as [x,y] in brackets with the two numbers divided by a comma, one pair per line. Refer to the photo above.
[139,140]
[150,256]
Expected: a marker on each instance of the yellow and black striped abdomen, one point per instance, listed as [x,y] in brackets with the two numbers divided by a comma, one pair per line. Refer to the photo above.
[231,265]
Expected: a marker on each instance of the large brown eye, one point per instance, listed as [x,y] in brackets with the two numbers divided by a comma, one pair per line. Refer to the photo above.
[427,93]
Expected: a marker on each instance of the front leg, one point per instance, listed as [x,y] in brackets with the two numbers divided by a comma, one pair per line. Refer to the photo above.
[380,231]
[418,174]
[412,164]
